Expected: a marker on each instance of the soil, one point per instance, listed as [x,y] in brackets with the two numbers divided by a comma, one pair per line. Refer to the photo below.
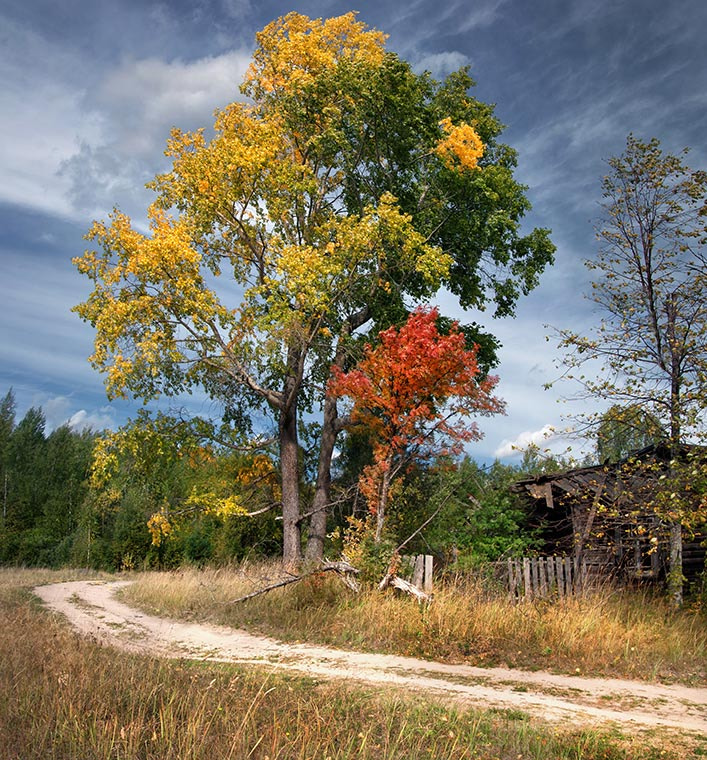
[91,607]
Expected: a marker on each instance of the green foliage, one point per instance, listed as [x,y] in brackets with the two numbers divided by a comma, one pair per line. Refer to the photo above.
[163,493]
[479,520]
[624,430]
[42,488]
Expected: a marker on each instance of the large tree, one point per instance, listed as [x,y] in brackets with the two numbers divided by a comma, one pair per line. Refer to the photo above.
[650,283]
[346,186]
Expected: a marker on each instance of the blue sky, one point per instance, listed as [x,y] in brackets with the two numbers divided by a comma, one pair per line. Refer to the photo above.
[90,89]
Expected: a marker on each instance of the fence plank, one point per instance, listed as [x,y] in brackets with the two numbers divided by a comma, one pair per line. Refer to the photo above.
[543,576]
[551,582]
[427,583]
[526,578]
[567,562]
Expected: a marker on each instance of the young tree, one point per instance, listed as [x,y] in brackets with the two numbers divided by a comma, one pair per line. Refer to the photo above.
[413,393]
[7,425]
[651,273]
[345,185]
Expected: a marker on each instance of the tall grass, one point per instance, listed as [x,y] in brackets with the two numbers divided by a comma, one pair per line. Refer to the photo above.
[609,632]
[64,697]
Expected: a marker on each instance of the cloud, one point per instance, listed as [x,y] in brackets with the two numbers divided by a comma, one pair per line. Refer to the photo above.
[43,119]
[442,64]
[540,438]
[413,26]
[59,410]
[138,103]
[145,98]
[97,420]
[82,133]
[56,411]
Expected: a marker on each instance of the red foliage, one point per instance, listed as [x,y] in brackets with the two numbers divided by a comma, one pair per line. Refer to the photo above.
[414,392]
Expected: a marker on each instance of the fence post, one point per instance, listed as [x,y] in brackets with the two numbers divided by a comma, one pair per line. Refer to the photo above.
[551,575]
[419,571]
[527,579]
[567,562]
[512,582]
[559,566]
[427,584]
[543,575]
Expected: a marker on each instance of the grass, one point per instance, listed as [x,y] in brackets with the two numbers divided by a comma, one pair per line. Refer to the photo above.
[612,633]
[64,697]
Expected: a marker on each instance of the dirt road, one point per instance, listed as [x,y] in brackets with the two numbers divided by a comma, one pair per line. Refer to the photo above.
[91,607]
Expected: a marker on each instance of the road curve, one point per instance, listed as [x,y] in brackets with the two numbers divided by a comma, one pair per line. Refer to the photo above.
[91,607]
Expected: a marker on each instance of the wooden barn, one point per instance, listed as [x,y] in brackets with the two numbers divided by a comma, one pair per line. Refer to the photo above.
[602,516]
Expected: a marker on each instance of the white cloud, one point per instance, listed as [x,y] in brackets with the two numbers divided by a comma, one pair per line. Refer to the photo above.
[483,14]
[96,420]
[42,120]
[442,64]
[145,98]
[80,136]
[540,438]
[58,411]
[138,104]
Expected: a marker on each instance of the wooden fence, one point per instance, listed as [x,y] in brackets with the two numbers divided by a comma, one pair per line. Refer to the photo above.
[542,577]
[418,570]
[524,578]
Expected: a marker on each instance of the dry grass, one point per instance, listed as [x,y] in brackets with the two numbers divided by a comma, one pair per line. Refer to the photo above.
[610,633]
[64,697]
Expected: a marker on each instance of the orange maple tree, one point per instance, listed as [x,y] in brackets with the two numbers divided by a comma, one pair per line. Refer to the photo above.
[414,392]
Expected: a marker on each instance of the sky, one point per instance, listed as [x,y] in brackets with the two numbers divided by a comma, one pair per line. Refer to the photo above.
[91,88]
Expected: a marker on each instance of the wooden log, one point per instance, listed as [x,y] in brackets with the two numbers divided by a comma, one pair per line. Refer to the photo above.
[402,585]
[343,569]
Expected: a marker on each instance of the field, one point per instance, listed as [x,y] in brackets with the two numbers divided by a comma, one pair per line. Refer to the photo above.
[63,696]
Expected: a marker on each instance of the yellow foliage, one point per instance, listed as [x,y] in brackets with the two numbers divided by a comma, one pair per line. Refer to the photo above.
[105,462]
[460,144]
[294,51]
[159,527]
[210,502]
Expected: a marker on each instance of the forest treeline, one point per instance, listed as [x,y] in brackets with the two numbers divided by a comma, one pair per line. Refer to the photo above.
[159,496]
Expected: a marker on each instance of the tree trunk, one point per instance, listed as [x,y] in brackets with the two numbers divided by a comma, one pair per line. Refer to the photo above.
[675,577]
[330,431]
[322,492]
[382,503]
[289,469]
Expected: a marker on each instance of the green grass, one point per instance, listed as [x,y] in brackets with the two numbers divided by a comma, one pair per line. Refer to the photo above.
[64,697]
[607,633]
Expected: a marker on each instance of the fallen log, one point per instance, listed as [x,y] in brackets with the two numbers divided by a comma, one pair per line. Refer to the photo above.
[392,580]
[341,568]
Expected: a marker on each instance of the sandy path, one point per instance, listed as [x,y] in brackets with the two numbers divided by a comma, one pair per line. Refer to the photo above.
[91,607]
